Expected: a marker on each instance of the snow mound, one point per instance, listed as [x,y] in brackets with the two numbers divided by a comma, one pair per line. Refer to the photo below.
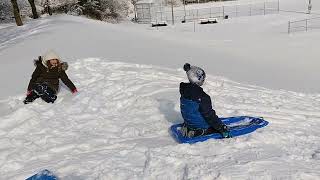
[116,127]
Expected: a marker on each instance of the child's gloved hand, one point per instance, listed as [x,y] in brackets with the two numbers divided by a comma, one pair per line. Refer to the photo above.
[28,93]
[74,91]
[225,132]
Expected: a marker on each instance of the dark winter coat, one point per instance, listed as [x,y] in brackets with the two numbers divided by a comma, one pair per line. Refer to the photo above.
[50,76]
[193,95]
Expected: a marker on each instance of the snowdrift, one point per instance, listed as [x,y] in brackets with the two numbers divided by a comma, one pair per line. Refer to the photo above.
[116,127]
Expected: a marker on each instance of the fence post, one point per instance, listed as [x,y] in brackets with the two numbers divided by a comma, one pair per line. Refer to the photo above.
[157,23]
[135,13]
[194,23]
[306,25]
[172,12]
[150,13]
[197,14]
[161,10]
[278,6]
[236,10]
[222,11]
[289,27]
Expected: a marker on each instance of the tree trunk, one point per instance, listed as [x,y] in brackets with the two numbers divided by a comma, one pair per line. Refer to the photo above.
[47,8]
[16,12]
[34,9]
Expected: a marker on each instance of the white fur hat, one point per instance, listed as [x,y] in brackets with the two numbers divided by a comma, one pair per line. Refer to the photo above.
[49,55]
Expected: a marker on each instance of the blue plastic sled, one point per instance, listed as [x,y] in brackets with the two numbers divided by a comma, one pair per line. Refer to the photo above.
[43,175]
[238,126]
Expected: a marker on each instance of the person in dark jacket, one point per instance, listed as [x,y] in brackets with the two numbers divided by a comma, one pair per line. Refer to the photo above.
[44,82]
[196,108]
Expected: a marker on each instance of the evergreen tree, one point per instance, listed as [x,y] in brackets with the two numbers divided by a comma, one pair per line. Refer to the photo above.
[91,8]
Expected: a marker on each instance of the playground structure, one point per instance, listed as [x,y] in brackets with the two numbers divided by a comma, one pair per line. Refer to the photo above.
[150,12]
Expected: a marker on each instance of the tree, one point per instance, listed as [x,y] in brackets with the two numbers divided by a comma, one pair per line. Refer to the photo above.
[47,8]
[34,9]
[16,12]
[91,8]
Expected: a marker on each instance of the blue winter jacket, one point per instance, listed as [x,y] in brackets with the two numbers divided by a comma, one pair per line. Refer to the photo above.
[196,108]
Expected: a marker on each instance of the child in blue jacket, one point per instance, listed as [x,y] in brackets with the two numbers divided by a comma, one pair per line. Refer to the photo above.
[196,109]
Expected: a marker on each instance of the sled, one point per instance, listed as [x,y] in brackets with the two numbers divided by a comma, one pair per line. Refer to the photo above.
[43,175]
[238,126]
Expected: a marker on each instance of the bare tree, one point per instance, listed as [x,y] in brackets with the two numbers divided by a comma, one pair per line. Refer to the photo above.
[16,12]
[47,8]
[34,9]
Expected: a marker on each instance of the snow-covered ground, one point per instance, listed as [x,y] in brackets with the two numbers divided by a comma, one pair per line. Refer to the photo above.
[117,128]
[128,75]
[252,50]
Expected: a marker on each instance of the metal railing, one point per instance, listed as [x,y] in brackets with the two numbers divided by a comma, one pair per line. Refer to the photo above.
[304,25]
[218,12]
[163,13]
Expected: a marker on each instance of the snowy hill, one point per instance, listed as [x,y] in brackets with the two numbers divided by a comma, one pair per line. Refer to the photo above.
[128,75]
[246,49]
[116,127]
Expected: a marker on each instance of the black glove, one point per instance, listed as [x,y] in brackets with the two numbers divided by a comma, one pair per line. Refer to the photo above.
[225,132]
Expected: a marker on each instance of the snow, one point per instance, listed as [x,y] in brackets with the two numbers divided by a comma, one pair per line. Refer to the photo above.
[117,127]
[128,77]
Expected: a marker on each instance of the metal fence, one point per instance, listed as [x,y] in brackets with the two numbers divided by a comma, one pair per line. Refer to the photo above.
[163,13]
[143,13]
[201,1]
[304,25]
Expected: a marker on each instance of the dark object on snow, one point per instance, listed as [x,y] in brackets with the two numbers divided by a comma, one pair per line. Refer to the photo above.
[50,76]
[158,24]
[209,21]
[237,125]
[196,108]
[44,82]
[184,20]
[226,17]
[195,132]
[43,91]
[213,20]
[43,175]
